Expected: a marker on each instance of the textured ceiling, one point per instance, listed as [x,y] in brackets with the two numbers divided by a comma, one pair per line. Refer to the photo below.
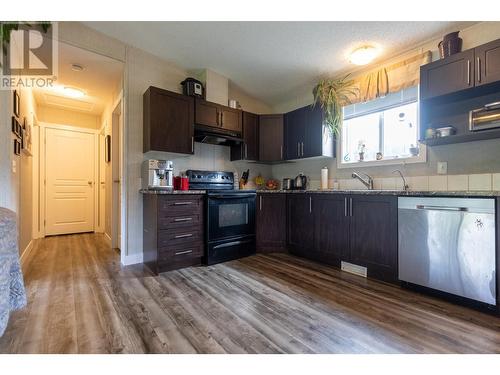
[270,60]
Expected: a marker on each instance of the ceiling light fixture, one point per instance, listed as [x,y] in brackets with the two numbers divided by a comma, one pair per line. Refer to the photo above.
[77,67]
[73,92]
[363,55]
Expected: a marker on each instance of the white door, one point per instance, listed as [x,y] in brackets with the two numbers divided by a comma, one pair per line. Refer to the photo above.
[69,175]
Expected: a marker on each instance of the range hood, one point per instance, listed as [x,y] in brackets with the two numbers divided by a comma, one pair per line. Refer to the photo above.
[213,137]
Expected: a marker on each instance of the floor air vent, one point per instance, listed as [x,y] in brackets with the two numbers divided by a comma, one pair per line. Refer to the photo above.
[354,268]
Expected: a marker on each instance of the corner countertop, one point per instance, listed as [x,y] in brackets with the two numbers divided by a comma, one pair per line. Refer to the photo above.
[400,193]
[171,192]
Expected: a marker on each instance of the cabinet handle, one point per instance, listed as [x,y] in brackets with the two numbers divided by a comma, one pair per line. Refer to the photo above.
[246,151]
[302,148]
[281,152]
[478,69]
[310,205]
[298,149]
[183,252]
[218,117]
[468,72]
[181,219]
[184,235]
[192,144]
[350,207]
[182,203]
[221,118]
[260,203]
[345,207]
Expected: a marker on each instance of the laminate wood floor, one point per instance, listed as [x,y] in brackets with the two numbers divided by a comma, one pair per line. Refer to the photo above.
[82,301]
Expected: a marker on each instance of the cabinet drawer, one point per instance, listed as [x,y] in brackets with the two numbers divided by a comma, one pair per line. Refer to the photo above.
[179,253]
[188,219]
[179,236]
[180,206]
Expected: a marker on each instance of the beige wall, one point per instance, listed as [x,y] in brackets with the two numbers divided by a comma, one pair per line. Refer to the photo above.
[248,102]
[462,158]
[65,117]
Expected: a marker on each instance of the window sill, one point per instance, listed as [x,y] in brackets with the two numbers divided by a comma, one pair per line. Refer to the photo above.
[422,158]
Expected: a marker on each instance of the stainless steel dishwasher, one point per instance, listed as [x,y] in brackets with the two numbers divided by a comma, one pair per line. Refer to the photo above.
[448,244]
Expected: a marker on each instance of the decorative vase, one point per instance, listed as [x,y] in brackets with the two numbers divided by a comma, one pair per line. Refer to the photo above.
[450,45]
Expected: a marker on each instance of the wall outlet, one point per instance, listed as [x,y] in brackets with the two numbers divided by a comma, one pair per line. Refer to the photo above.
[14,166]
[442,167]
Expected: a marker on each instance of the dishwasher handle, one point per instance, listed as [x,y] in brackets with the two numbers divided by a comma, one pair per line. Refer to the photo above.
[441,208]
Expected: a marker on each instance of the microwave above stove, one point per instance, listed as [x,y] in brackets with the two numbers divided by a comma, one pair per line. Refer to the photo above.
[485,118]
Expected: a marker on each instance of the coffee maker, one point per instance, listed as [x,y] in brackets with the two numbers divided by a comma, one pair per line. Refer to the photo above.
[158,174]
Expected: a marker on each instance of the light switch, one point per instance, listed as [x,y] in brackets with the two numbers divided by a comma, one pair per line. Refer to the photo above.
[442,167]
[14,166]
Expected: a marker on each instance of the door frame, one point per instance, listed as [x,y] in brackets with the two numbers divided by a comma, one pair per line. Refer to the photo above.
[43,140]
[116,174]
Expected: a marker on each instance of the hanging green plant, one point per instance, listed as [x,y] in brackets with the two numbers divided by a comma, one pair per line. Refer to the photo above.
[7,26]
[332,95]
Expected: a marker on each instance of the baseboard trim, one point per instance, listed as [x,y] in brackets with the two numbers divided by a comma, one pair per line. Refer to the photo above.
[25,252]
[108,238]
[132,259]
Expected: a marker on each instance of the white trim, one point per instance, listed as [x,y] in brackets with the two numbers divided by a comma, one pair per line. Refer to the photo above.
[127,260]
[421,158]
[25,252]
[107,237]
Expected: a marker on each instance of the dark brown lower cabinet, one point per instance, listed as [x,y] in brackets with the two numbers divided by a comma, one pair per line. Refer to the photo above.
[300,224]
[374,235]
[331,225]
[359,229]
[271,222]
[173,234]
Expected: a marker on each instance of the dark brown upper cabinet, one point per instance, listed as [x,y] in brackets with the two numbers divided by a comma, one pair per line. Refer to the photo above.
[305,134]
[271,147]
[454,73]
[487,62]
[249,149]
[218,116]
[168,121]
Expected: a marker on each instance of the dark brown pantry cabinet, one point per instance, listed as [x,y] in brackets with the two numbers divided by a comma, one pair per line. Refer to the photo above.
[271,222]
[249,148]
[173,234]
[218,116]
[271,147]
[168,121]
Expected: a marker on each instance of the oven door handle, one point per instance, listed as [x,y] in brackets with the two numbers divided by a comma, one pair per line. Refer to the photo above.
[233,243]
[231,196]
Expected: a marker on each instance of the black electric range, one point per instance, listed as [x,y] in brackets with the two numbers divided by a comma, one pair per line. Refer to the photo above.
[230,216]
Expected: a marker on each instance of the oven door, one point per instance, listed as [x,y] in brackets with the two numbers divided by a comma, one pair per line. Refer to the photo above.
[230,215]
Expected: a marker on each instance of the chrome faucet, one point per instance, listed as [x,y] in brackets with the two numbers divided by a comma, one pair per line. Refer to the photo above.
[368,182]
[405,185]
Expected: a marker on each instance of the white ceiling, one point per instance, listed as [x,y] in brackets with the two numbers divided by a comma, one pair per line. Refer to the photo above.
[99,79]
[270,60]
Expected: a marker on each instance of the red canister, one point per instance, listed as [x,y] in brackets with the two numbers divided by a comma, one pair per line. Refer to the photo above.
[177,183]
[184,183]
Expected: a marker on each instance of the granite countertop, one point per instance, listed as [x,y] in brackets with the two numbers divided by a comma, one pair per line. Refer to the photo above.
[169,192]
[391,192]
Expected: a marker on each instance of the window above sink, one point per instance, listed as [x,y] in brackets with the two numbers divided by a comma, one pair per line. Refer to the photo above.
[382,131]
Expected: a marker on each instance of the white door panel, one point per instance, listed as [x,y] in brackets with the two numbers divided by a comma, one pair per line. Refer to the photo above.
[69,168]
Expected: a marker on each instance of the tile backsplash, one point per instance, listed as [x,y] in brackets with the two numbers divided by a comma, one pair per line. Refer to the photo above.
[461,182]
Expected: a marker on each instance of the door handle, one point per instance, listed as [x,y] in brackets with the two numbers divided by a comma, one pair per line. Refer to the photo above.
[184,235]
[90,183]
[229,244]
[468,72]
[181,219]
[183,252]
[478,69]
